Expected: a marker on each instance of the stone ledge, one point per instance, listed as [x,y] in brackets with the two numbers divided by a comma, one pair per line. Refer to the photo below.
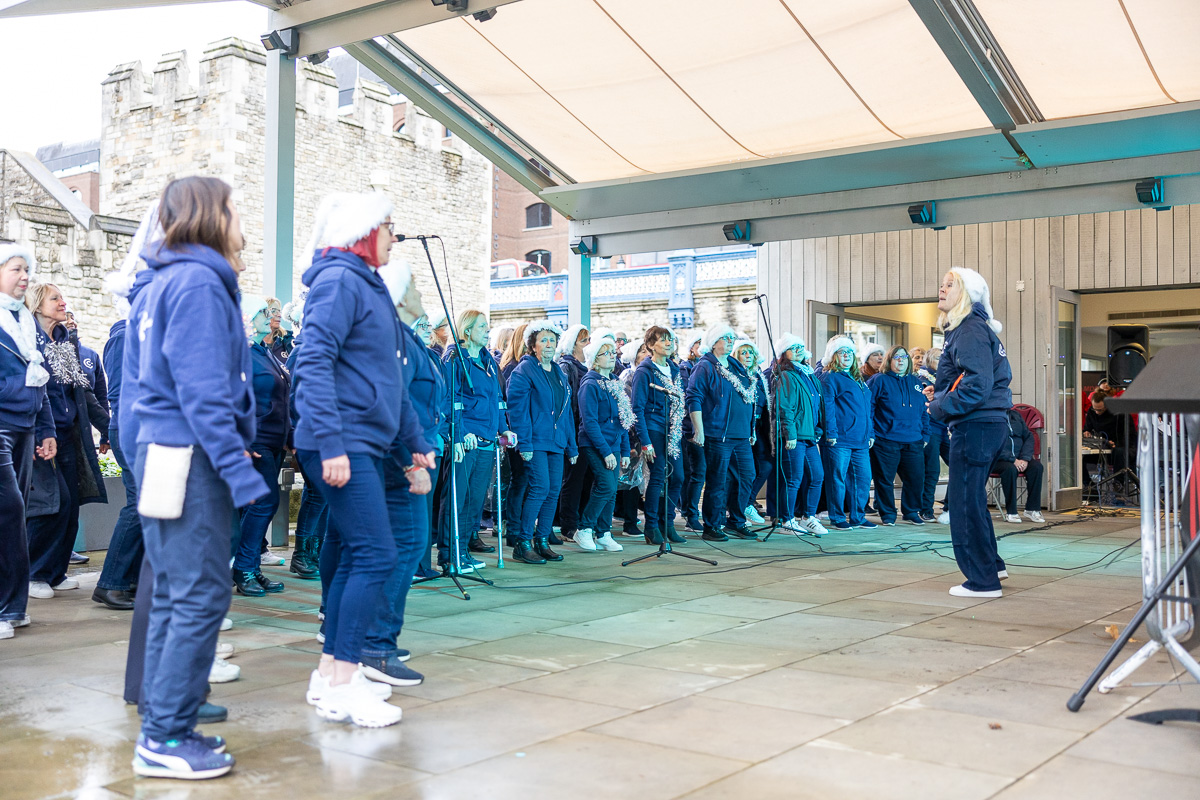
[42,214]
[234,46]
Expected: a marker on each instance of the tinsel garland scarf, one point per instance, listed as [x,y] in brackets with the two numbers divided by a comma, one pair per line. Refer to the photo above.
[747,392]
[64,363]
[624,407]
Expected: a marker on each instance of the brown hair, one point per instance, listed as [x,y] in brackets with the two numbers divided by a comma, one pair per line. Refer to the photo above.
[531,340]
[653,334]
[195,210]
[516,346]
[891,353]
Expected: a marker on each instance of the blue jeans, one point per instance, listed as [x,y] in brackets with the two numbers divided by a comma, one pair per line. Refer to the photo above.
[189,558]
[123,560]
[654,487]
[888,457]
[256,517]
[730,465]
[693,479]
[933,470]
[597,514]
[408,517]
[16,471]
[361,549]
[973,448]
[429,505]
[473,475]
[544,473]
[848,476]
[52,536]
[808,496]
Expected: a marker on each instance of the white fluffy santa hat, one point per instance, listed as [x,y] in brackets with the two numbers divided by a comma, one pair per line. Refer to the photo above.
[713,334]
[397,277]
[977,289]
[787,342]
[592,350]
[566,342]
[835,344]
[345,217]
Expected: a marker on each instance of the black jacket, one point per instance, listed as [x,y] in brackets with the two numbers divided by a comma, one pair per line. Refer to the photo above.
[1020,439]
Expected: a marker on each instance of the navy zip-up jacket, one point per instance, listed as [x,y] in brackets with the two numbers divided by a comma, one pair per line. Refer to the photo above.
[481,404]
[574,369]
[898,407]
[724,412]
[531,418]
[193,367]
[114,352]
[973,353]
[847,410]
[273,422]
[936,426]
[22,408]
[89,360]
[651,406]
[127,422]
[601,418]
[427,395]
[1020,439]
[62,398]
[348,394]
[685,374]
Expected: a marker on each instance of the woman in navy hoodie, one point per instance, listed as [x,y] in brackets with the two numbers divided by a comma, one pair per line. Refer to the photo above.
[849,435]
[26,428]
[576,478]
[936,441]
[514,490]
[194,426]
[350,397]
[272,437]
[659,404]
[603,440]
[720,398]
[972,397]
[539,410]
[901,427]
[797,398]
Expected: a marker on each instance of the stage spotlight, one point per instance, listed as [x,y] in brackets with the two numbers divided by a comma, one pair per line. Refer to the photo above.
[1149,191]
[584,246]
[286,41]
[452,5]
[485,15]
[923,213]
[737,231]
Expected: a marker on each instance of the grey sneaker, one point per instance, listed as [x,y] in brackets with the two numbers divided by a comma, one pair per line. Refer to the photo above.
[1035,516]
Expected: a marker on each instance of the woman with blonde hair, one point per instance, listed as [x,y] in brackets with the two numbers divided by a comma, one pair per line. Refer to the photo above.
[901,426]
[936,441]
[849,435]
[972,397]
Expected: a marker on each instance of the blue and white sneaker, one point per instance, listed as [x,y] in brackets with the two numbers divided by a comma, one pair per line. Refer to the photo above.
[866,524]
[472,561]
[214,743]
[188,758]
[842,526]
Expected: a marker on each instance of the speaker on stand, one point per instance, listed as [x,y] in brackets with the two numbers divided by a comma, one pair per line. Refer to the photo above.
[1128,352]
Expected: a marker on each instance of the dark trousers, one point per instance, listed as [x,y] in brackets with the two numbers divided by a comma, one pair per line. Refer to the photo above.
[256,517]
[933,470]
[16,470]
[597,514]
[471,480]
[490,512]
[888,457]
[126,549]
[664,471]
[724,460]
[544,473]
[189,558]
[423,566]
[627,502]
[577,481]
[408,517]
[694,470]
[515,497]
[1007,471]
[763,469]
[973,448]
[848,478]
[135,658]
[52,536]
[365,552]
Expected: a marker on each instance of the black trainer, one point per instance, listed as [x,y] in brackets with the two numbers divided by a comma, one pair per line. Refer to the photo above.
[740,532]
[713,535]
[390,670]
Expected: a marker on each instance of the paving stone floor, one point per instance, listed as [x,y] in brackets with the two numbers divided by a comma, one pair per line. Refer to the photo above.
[781,673]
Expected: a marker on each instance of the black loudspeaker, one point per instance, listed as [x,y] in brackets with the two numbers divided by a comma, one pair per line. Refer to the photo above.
[1128,351]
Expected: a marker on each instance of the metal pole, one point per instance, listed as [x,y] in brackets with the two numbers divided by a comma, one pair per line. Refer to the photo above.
[579,291]
[499,512]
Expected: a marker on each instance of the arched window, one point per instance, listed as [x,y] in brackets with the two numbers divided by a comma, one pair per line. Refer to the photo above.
[539,257]
[537,216]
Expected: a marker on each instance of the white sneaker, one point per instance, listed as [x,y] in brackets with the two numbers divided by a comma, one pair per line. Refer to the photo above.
[813,526]
[21,623]
[223,672]
[318,686]
[65,584]
[1034,516]
[823,516]
[585,539]
[963,591]
[225,650]
[752,515]
[226,624]
[269,559]
[608,543]
[944,518]
[41,590]
[1013,518]
[6,629]
[1002,574]
[794,526]
[357,702]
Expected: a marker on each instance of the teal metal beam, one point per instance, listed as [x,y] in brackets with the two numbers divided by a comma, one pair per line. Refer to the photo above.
[579,291]
[400,77]
[279,190]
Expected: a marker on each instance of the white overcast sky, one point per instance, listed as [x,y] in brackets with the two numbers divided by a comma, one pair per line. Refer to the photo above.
[53,65]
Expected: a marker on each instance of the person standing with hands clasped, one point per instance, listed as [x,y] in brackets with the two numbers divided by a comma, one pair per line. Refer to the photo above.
[603,441]
[972,397]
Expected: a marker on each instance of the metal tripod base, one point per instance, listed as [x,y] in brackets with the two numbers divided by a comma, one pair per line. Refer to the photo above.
[664,549]
[1168,715]
[457,577]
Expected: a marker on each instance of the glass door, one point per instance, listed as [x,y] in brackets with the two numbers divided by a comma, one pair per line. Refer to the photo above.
[1063,424]
[826,322]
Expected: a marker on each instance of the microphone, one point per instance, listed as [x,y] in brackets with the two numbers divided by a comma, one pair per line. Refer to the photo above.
[752,299]
[400,237]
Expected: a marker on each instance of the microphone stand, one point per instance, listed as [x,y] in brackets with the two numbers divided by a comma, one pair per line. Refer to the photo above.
[777,472]
[453,570]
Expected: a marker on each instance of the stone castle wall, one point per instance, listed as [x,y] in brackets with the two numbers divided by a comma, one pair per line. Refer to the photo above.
[164,128]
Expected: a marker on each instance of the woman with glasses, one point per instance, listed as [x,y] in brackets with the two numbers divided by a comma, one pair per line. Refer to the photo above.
[901,430]
[797,398]
[849,435]
[936,446]
[603,441]
[658,404]
[747,355]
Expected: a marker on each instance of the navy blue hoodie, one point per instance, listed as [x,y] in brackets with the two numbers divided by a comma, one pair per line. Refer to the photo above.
[273,423]
[127,422]
[348,387]
[652,406]
[537,425]
[973,374]
[898,407]
[114,352]
[847,410]
[481,404]
[726,415]
[22,408]
[191,308]
[428,396]
[600,413]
